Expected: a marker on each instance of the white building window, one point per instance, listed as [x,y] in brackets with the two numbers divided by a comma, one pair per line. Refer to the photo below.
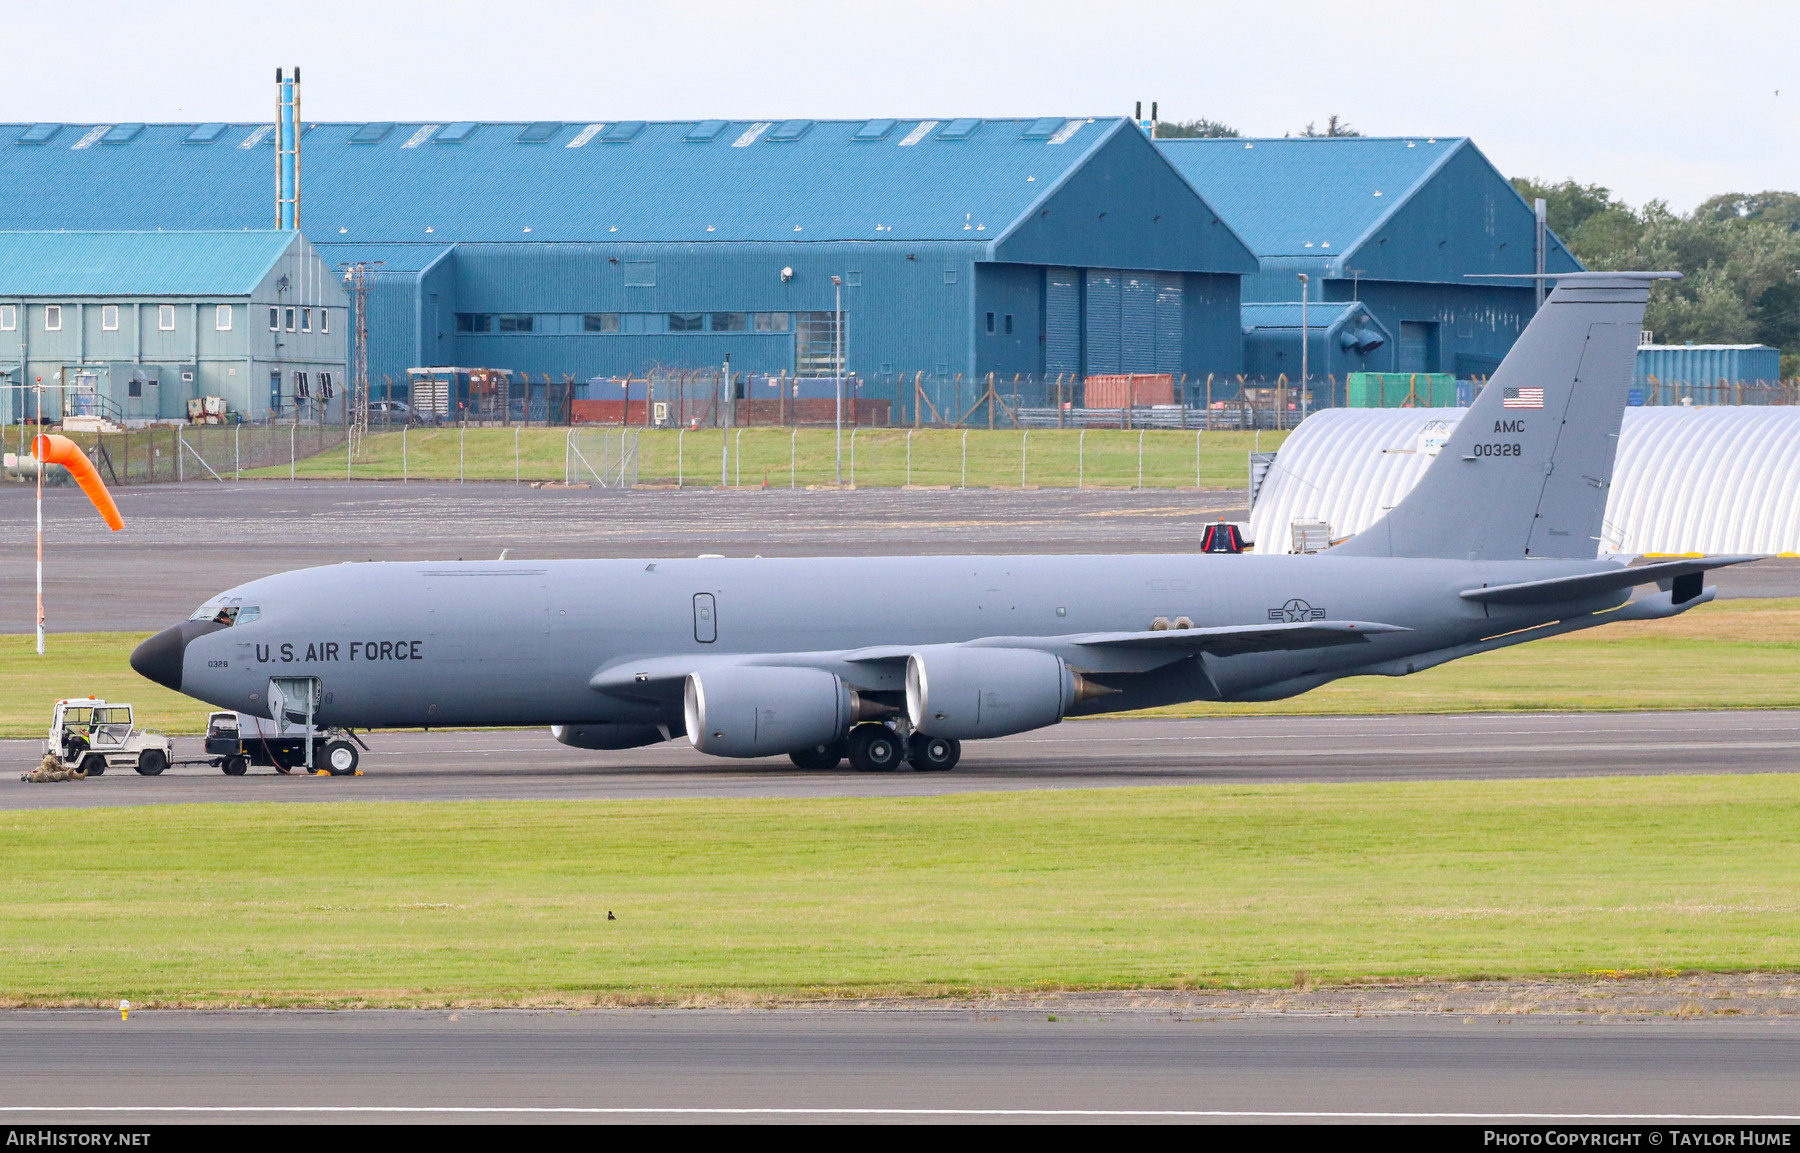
[306,320]
[109,317]
[52,318]
[9,317]
[324,320]
[222,318]
[274,320]
[290,319]
[165,317]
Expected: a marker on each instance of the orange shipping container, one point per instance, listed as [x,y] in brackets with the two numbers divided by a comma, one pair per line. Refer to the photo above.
[1132,388]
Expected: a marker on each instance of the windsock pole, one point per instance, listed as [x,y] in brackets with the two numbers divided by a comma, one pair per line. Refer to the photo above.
[40,529]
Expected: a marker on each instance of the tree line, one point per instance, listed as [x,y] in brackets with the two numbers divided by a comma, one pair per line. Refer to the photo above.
[1738,253]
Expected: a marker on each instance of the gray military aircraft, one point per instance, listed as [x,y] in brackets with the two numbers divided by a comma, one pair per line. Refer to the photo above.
[885,659]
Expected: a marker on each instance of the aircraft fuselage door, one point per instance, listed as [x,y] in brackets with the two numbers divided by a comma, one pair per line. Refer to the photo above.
[706,625]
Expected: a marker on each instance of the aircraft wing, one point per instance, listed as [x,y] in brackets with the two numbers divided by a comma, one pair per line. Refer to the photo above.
[883,666]
[1236,640]
[1572,588]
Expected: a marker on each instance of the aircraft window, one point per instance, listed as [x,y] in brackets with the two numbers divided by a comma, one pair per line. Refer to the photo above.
[248,614]
[218,614]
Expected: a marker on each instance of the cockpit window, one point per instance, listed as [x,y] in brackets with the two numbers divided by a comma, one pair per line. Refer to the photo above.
[227,614]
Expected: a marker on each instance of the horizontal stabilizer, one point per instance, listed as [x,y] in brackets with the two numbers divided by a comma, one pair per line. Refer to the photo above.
[1574,588]
[1236,640]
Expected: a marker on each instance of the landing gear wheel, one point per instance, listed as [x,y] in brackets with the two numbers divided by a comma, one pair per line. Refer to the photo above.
[340,758]
[151,762]
[875,749]
[93,764]
[933,754]
[235,766]
[819,756]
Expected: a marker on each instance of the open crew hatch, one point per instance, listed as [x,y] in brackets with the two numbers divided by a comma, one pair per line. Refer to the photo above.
[226,611]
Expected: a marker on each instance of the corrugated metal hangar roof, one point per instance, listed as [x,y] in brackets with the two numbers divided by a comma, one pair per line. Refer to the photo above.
[1317,200]
[138,263]
[1307,196]
[635,181]
[1688,480]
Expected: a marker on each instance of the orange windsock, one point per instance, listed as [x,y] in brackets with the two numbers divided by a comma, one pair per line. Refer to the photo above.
[53,449]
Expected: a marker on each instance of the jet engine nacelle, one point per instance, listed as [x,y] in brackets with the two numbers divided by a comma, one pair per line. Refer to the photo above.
[608,736]
[760,711]
[963,693]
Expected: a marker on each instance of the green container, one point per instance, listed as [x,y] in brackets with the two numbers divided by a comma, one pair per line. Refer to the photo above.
[1402,390]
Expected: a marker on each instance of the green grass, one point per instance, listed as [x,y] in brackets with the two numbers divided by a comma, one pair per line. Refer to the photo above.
[1725,655]
[1052,458]
[505,903]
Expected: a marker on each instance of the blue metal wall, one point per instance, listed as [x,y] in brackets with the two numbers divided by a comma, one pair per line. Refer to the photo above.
[1708,363]
[1476,324]
[1213,342]
[1004,291]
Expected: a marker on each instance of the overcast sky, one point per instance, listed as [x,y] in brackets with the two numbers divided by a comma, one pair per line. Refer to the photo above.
[1677,101]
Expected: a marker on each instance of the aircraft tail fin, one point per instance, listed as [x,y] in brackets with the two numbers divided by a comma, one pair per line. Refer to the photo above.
[1527,471]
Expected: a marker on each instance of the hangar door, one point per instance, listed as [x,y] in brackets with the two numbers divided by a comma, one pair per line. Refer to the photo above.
[1133,321]
[1062,320]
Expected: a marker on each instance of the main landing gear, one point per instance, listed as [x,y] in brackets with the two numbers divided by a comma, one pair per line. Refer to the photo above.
[875,748]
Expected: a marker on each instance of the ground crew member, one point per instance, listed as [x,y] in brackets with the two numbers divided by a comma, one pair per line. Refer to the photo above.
[53,769]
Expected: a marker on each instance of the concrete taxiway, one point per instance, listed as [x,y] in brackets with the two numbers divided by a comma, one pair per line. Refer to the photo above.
[529,765]
[838,1065]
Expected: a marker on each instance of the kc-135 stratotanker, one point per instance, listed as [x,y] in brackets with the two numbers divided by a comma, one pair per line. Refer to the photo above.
[885,659]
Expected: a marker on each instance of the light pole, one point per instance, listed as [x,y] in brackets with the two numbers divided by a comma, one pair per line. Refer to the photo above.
[1305,339]
[837,355]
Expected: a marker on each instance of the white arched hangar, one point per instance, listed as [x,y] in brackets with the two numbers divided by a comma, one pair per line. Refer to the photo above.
[1687,480]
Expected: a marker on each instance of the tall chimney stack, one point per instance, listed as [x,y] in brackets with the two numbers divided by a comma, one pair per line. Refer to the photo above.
[287,150]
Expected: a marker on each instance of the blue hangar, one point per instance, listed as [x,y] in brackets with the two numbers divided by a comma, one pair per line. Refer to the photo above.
[965,246]
[1388,231]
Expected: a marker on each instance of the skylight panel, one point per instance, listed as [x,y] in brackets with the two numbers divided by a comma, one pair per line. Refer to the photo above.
[539,132]
[1068,129]
[421,135]
[920,131]
[121,133]
[585,135]
[456,133]
[750,134]
[874,130]
[205,133]
[1043,128]
[789,130]
[622,133]
[39,133]
[960,129]
[257,135]
[706,131]
[372,133]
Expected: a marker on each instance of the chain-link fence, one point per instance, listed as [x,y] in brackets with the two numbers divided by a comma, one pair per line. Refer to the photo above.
[604,457]
[171,453]
[1651,391]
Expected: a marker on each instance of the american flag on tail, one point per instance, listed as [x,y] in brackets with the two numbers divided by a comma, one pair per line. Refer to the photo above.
[1521,398]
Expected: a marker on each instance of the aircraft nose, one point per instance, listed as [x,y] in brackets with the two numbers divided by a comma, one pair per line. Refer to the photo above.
[159,658]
